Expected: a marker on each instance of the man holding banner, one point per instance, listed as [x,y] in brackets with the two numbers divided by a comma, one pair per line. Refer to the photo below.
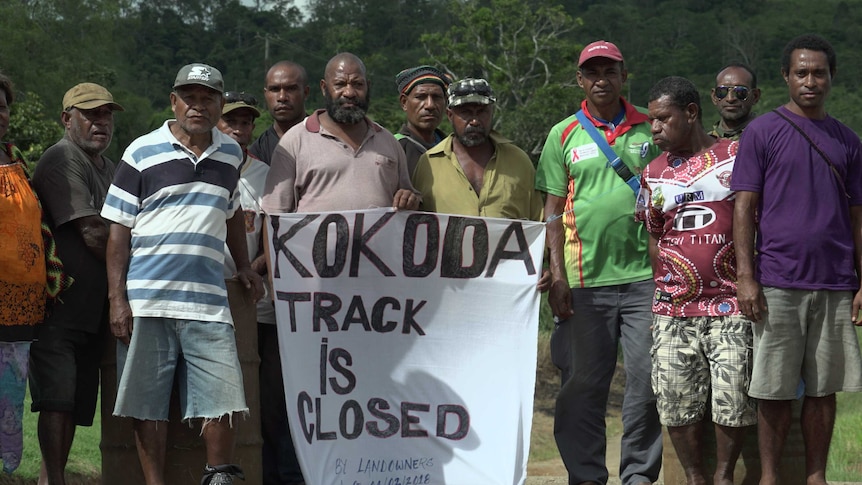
[337,158]
[395,372]
[476,171]
[408,344]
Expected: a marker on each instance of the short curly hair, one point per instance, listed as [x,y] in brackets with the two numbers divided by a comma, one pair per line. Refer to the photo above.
[680,90]
[811,42]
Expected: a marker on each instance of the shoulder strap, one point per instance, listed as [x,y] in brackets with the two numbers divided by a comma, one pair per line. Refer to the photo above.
[399,137]
[817,149]
[614,161]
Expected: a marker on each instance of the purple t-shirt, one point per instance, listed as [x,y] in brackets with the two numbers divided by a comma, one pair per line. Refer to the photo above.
[804,237]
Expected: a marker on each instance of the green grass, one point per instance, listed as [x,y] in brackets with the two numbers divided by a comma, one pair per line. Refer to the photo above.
[85,458]
[845,455]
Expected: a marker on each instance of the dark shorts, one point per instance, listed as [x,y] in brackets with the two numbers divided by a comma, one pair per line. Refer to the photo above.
[64,372]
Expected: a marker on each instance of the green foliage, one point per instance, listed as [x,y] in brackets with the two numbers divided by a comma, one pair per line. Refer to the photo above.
[527,49]
[844,455]
[522,50]
[546,317]
[30,129]
[387,112]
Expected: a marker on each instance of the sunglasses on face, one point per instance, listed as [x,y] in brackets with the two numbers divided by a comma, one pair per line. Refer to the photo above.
[740,92]
[235,97]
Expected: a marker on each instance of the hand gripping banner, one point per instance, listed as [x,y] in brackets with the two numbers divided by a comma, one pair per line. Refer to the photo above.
[408,344]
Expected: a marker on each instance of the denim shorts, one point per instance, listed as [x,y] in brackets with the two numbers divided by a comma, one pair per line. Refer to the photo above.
[203,357]
[694,358]
[807,333]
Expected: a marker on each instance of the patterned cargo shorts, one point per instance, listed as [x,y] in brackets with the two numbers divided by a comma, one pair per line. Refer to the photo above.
[694,358]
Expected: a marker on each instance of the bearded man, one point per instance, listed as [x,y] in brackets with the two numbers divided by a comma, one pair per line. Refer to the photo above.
[337,159]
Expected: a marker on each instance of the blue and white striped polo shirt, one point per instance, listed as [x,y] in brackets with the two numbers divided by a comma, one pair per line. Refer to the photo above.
[176,205]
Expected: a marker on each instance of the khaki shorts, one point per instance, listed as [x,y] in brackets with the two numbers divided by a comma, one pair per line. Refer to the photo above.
[694,358]
[806,334]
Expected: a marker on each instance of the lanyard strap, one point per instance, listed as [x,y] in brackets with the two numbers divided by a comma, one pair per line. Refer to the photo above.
[818,150]
[614,161]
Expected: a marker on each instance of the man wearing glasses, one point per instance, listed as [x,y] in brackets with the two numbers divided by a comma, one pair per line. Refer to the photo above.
[601,287]
[735,94]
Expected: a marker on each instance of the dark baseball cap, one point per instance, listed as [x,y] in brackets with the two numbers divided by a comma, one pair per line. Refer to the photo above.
[201,74]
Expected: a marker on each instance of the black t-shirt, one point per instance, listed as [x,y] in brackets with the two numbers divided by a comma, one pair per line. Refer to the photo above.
[70,187]
[264,146]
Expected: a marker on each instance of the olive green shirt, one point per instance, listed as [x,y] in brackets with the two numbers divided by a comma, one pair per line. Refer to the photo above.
[719,132]
[507,191]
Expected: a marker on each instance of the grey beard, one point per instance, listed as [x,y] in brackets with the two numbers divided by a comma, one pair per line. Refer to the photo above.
[472,138]
[347,116]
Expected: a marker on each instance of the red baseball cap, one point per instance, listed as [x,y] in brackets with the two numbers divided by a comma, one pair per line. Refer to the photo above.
[600,48]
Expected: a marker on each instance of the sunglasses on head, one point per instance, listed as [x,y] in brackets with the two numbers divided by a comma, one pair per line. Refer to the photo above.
[235,97]
[741,92]
[482,90]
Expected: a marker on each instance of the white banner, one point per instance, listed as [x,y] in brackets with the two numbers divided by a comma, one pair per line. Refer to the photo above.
[408,344]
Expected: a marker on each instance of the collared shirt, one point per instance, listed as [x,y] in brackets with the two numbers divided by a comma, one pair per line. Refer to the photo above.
[604,245]
[507,189]
[251,180]
[687,205]
[314,171]
[177,206]
[730,134]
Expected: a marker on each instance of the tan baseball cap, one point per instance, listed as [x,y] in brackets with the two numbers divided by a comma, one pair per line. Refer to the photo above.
[89,96]
[238,100]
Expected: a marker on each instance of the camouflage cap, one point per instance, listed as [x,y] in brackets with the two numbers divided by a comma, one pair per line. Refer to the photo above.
[470,90]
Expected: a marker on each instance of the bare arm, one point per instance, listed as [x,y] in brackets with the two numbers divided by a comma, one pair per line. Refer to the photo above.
[560,296]
[94,231]
[237,246]
[118,250]
[258,264]
[752,303]
[856,226]
[652,250]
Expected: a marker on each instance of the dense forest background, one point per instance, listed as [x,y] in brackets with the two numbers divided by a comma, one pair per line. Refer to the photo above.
[527,49]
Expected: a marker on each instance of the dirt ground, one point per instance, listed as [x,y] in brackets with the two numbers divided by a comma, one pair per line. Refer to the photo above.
[552,471]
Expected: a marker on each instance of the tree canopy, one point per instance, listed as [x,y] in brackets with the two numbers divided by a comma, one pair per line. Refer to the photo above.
[527,50]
